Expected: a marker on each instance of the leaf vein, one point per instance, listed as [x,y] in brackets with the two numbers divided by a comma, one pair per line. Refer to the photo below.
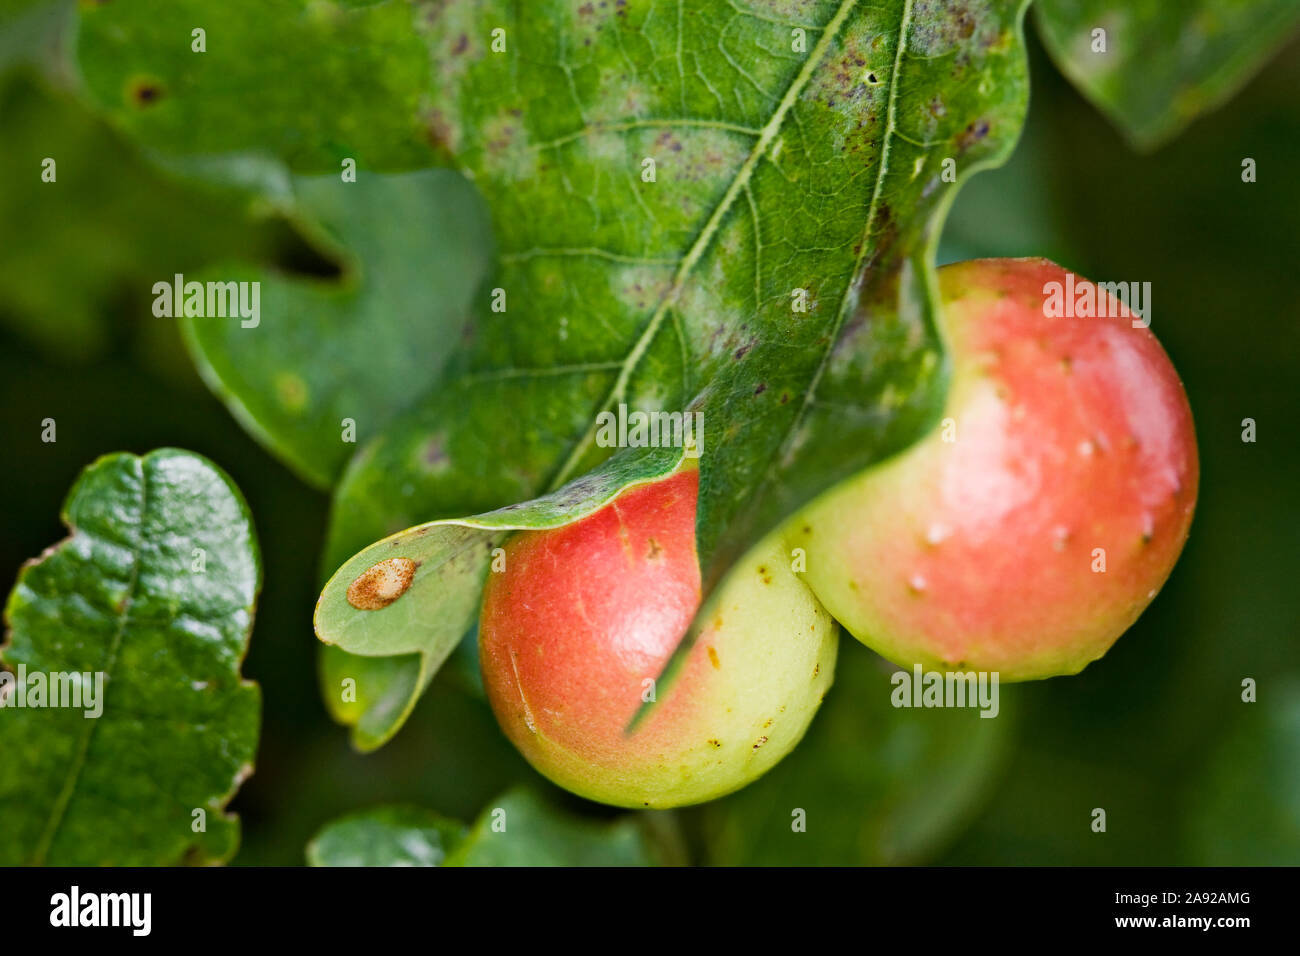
[707,233]
[872,209]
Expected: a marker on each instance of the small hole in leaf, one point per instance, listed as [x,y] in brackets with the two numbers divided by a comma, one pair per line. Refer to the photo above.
[294,253]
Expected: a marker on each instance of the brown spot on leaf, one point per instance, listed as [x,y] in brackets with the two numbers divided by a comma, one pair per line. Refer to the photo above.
[440,133]
[144,91]
[713,658]
[381,584]
[972,134]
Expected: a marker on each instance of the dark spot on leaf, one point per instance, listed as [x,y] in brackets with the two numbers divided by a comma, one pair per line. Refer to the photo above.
[434,456]
[972,134]
[713,658]
[439,133]
[761,388]
[144,91]
[462,44]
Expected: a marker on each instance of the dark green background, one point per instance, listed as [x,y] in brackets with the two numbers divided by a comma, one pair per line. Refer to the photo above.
[1155,732]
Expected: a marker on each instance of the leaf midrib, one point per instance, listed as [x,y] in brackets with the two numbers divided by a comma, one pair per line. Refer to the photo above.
[687,643]
[59,813]
[704,239]
[904,24]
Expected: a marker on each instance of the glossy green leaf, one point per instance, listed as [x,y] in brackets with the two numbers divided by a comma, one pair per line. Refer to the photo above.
[386,836]
[310,81]
[1244,807]
[871,784]
[1162,63]
[773,276]
[323,353]
[520,829]
[155,591]
[517,829]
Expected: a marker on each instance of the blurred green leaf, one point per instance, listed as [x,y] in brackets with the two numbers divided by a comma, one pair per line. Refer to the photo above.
[155,591]
[517,829]
[386,836]
[38,33]
[415,247]
[521,829]
[92,242]
[1163,63]
[1245,806]
[312,82]
[877,785]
